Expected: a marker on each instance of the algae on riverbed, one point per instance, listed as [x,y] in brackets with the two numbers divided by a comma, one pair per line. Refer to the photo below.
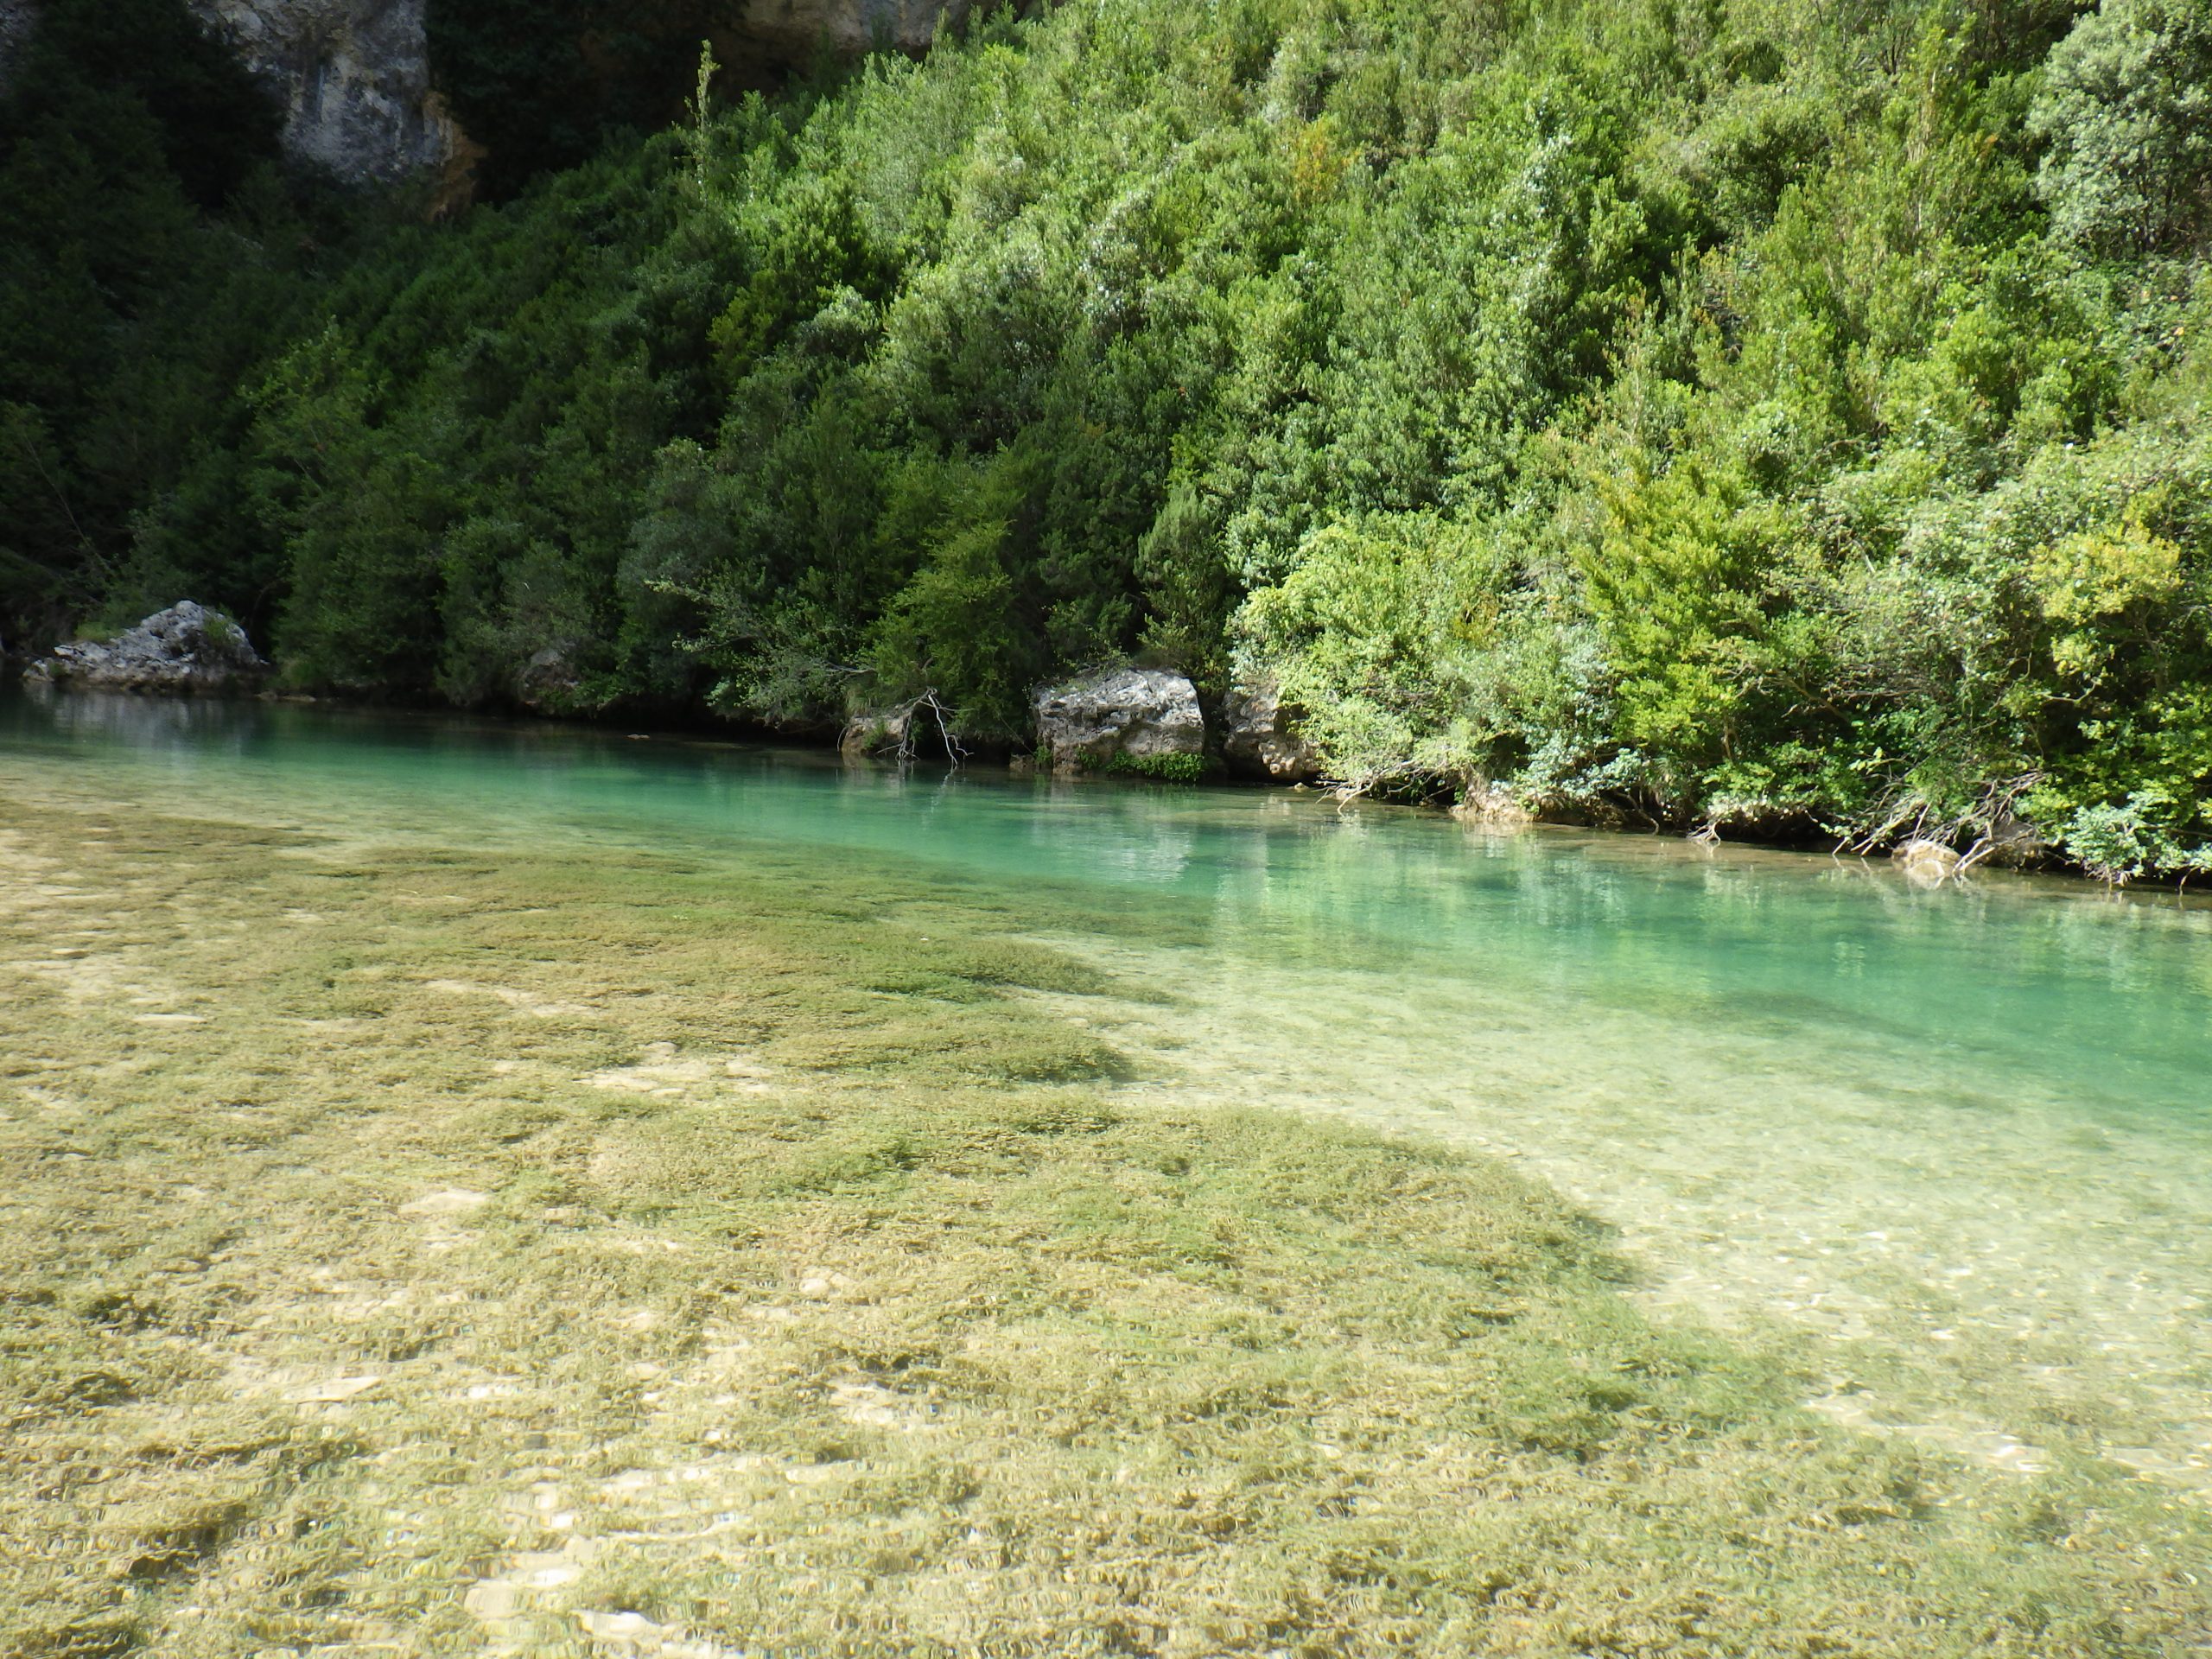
[591,1252]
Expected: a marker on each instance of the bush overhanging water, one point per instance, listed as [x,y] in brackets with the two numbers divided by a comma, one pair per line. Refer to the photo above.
[1740,414]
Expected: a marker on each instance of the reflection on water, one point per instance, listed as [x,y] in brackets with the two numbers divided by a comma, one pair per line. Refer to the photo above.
[1959,1139]
[143,723]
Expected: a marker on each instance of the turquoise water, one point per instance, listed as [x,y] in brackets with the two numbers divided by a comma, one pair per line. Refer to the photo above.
[1949,1150]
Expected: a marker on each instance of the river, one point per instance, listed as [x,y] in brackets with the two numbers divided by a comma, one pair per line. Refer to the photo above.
[1948,1151]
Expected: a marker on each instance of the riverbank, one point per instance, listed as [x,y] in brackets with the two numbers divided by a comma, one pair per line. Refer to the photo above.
[1927,863]
[658,1251]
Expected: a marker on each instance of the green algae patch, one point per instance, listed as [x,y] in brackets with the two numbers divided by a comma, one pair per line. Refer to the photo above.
[573,1251]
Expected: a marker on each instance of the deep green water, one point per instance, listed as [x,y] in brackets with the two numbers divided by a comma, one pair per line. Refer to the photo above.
[1949,1150]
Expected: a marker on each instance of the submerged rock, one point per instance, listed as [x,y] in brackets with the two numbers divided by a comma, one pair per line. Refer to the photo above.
[1141,719]
[1259,737]
[1926,863]
[187,648]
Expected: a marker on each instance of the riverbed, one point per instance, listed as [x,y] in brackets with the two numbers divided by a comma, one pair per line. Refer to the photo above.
[1943,1156]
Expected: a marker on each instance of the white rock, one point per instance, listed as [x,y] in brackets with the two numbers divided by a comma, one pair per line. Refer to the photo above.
[1260,738]
[185,648]
[1119,714]
[1926,863]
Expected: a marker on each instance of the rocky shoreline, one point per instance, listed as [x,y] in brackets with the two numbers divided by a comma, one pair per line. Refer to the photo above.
[1148,722]
[1139,722]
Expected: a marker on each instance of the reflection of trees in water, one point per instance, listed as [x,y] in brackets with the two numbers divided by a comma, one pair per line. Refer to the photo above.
[144,722]
[2023,980]
[1060,829]
[2027,980]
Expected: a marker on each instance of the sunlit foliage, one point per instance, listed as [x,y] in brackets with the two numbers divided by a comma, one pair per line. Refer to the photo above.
[1784,419]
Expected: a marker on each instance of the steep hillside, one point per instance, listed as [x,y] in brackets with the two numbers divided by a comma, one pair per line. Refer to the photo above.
[1730,414]
[367,87]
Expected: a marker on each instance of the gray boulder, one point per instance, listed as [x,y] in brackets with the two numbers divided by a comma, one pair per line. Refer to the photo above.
[1141,719]
[1258,738]
[2012,844]
[187,648]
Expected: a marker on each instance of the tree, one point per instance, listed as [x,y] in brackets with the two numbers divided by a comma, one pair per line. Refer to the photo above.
[2126,109]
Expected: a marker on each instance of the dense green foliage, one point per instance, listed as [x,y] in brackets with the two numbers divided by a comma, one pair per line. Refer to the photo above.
[127,315]
[1733,413]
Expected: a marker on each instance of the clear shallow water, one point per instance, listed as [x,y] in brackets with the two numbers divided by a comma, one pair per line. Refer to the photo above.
[1950,1152]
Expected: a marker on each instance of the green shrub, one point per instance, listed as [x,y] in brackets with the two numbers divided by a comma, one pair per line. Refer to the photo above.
[1161,768]
[2126,110]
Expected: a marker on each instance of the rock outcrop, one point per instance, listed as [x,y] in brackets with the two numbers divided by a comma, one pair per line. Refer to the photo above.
[353,78]
[16,18]
[1259,737]
[1141,719]
[879,734]
[1487,805]
[1926,863]
[185,649]
[549,682]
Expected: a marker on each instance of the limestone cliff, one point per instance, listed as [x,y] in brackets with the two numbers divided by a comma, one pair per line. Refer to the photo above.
[354,76]
[353,79]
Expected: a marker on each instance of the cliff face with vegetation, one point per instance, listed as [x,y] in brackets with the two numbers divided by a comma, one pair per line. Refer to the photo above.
[353,78]
[1731,414]
[350,79]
